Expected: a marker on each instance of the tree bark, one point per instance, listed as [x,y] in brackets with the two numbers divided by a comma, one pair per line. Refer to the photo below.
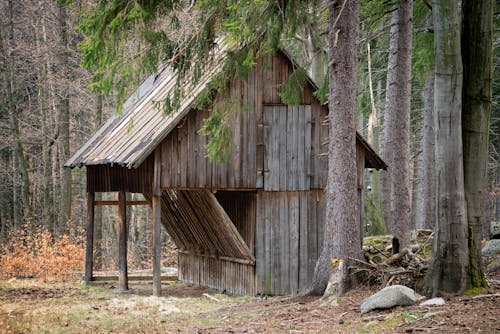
[341,234]
[448,270]
[396,135]
[476,113]
[425,196]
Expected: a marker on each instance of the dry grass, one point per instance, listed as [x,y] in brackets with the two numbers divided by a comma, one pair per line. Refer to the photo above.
[28,306]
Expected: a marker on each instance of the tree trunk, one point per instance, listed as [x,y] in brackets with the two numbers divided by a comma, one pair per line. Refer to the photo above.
[64,125]
[425,196]
[21,164]
[98,227]
[396,136]
[341,234]
[476,113]
[497,200]
[373,215]
[450,257]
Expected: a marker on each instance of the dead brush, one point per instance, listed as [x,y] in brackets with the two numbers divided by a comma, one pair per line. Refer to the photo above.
[38,254]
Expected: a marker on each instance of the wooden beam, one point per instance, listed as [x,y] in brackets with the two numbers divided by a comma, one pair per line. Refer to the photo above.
[156,245]
[89,250]
[134,278]
[156,206]
[223,258]
[102,203]
[122,241]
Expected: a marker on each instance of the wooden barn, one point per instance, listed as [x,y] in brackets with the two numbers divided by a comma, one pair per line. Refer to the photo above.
[251,225]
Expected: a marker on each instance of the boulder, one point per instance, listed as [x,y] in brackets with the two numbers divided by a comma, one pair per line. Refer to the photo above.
[395,295]
[492,247]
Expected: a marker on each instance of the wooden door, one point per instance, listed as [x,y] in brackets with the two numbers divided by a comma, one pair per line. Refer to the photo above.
[287,148]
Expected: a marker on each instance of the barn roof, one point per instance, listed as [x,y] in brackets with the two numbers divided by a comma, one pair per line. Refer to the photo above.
[128,139]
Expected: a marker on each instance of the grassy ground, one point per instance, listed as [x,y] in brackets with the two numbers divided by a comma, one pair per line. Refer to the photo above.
[27,306]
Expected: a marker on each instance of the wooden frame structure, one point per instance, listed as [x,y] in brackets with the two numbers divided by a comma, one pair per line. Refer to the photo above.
[251,225]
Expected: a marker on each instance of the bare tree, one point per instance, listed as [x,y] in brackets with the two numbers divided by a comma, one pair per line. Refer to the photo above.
[396,129]
[342,227]
[448,270]
[476,113]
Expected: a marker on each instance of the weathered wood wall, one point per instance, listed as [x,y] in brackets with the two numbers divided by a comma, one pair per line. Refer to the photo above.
[233,277]
[101,178]
[184,164]
[289,235]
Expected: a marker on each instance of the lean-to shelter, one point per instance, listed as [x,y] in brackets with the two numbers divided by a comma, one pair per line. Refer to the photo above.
[251,225]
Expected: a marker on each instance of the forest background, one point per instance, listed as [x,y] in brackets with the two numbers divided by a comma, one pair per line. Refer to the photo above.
[48,110]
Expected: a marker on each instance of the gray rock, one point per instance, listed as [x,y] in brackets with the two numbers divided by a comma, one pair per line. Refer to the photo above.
[495,229]
[388,297]
[433,302]
[492,247]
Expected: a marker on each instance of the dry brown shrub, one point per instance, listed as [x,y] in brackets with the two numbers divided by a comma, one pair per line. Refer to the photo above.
[37,254]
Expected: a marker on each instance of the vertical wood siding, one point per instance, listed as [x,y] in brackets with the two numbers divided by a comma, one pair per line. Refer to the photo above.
[102,178]
[287,155]
[233,277]
[184,161]
[288,239]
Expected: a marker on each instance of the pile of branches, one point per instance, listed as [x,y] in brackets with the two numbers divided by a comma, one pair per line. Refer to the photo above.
[407,267]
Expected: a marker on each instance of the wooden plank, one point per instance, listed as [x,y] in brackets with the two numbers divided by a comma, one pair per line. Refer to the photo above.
[258,89]
[303,258]
[275,242]
[156,235]
[236,155]
[294,229]
[275,144]
[89,249]
[289,143]
[183,152]
[283,245]
[314,146]
[321,217]
[128,203]
[201,177]
[260,243]
[267,116]
[191,151]
[312,233]
[301,134]
[134,278]
[122,241]
[307,148]
[156,245]
[282,147]
[268,242]
[294,149]
[323,158]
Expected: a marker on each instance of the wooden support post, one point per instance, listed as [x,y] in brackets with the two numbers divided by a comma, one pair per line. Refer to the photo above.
[122,241]
[89,250]
[156,206]
[156,245]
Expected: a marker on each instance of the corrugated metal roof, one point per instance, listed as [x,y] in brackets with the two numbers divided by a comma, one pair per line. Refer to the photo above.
[129,138]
